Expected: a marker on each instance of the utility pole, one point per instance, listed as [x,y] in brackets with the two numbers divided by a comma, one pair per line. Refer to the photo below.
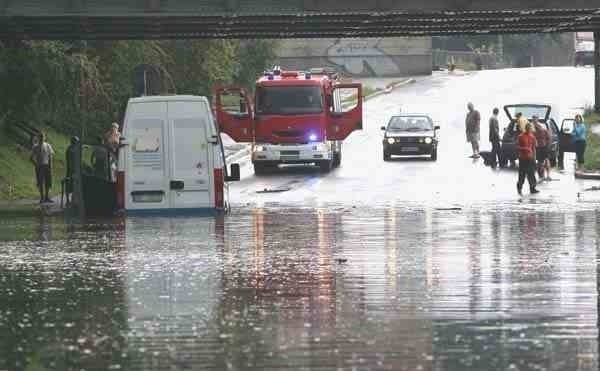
[597,71]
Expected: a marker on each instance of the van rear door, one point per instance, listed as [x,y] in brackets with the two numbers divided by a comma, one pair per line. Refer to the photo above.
[190,163]
[146,129]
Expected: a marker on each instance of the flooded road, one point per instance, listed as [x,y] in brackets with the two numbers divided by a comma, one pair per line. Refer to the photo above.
[364,179]
[406,265]
[371,289]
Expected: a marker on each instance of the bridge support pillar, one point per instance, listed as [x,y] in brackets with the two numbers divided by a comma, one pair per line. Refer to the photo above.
[597,71]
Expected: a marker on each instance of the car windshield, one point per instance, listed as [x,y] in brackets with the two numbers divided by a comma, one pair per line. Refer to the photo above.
[410,123]
[527,111]
[289,100]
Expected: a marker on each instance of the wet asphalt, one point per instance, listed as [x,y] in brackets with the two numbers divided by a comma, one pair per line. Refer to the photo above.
[406,265]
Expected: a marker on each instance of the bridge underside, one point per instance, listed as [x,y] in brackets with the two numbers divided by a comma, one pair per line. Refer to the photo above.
[164,19]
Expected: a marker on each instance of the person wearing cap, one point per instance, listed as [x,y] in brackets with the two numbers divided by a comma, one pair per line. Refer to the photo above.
[472,126]
[542,150]
[70,158]
[526,145]
[112,137]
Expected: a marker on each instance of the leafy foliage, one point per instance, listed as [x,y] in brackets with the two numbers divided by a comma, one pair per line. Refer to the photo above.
[514,47]
[79,88]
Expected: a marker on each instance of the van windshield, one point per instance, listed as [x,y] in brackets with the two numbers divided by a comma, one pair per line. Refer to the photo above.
[289,100]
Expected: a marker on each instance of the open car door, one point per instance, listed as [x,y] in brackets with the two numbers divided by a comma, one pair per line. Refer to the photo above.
[566,136]
[345,114]
[233,110]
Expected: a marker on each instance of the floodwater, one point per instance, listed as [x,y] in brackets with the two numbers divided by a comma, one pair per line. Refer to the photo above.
[301,288]
[401,265]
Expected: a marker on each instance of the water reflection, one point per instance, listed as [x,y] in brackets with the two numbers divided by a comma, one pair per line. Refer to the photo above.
[302,289]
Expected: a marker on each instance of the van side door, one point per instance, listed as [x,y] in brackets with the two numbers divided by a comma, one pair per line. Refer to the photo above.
[345,111]
[233,110]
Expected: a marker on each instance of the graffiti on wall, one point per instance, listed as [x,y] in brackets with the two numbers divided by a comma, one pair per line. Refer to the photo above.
[362,57]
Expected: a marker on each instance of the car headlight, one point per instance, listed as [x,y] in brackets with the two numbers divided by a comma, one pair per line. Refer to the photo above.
[391,140]
[259,148]
[428,140]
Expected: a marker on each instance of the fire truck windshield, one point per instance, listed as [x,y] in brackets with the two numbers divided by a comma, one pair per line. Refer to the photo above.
[288,100]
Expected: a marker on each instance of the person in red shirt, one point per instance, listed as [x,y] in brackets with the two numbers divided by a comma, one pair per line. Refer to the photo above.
[526,144]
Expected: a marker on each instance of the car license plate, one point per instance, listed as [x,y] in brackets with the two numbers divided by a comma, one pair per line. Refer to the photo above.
[410,149]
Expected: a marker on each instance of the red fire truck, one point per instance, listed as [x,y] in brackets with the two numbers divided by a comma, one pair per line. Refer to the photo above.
[295,118]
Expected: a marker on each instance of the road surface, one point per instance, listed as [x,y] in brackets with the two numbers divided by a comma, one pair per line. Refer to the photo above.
[404,266]
[364,179]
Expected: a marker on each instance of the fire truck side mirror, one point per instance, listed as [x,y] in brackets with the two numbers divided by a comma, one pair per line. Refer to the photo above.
[243,107]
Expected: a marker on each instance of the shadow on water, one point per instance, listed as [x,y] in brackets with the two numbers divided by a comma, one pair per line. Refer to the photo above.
[302,289]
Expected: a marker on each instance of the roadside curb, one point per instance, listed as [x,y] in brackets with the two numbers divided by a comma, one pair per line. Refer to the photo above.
[388,90]
[391,88]
[586,175]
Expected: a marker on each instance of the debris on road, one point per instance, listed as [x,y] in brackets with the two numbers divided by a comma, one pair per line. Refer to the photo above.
[274,190]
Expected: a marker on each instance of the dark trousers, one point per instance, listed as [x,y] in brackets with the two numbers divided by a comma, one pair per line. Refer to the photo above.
[495,153]
[580,151]
[526,170]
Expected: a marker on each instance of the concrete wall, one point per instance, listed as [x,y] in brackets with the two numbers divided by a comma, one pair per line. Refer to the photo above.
[369,57]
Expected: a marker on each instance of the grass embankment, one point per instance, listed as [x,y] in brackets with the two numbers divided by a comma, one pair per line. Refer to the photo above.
[592,150]
[17,175]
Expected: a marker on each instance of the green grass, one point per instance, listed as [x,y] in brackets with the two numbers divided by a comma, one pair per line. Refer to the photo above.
[592,150]
[17,175]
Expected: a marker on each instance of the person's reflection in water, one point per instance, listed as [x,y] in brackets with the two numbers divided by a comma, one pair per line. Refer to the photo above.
[44,230]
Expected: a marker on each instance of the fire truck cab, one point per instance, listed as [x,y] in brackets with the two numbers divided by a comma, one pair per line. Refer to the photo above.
[295,118]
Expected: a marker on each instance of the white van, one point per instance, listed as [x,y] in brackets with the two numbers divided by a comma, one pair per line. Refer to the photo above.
[171,156]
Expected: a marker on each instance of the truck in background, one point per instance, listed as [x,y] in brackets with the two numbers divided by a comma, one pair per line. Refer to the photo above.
[584,49]
[296,117]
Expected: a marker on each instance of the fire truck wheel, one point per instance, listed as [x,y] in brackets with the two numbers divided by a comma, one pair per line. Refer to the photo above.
[337,159]
[260,169]
[326,166]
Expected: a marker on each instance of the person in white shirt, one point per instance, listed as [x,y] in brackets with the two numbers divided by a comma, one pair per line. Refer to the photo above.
[42,154]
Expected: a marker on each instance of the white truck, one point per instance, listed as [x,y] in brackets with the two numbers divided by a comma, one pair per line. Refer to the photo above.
[171,157]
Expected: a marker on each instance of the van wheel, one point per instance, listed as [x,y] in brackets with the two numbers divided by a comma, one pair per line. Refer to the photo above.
[326,166]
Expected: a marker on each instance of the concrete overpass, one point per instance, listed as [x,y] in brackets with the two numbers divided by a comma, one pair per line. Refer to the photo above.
[144,19]
[161,19]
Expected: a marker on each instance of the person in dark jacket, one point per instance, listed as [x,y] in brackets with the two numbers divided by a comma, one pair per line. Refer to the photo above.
[494,136]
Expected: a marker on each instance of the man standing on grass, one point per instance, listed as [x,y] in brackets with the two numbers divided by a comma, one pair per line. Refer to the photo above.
[41,156]
[526,144]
